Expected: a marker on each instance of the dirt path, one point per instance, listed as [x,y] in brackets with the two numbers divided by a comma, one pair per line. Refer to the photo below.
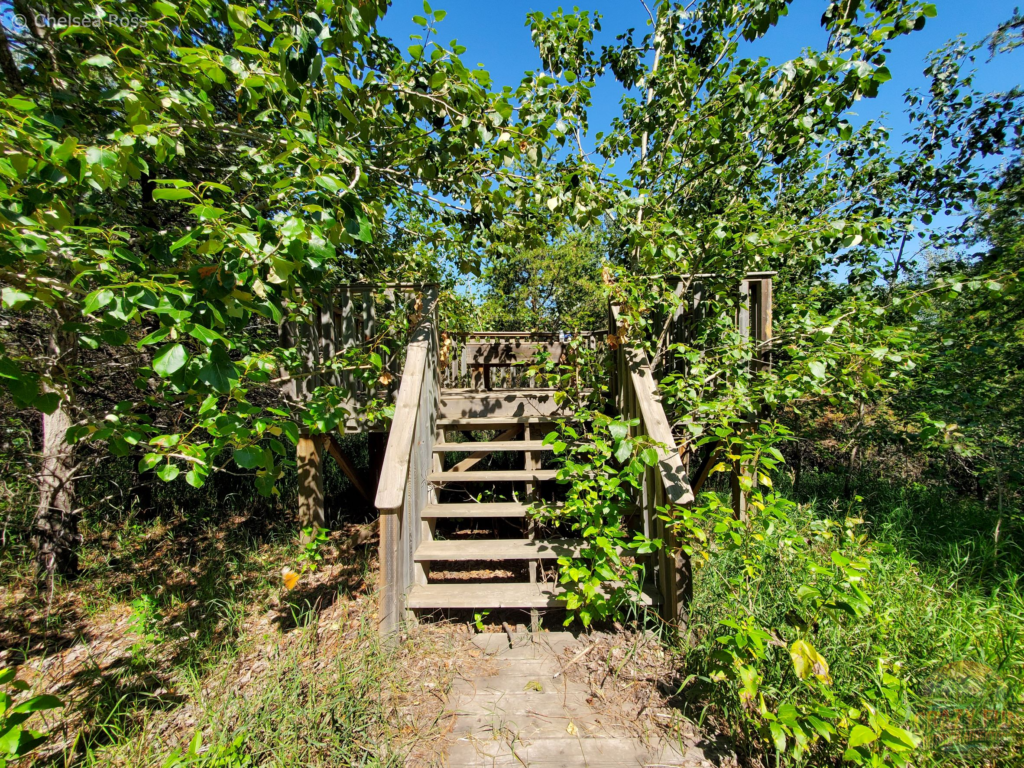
[527,701]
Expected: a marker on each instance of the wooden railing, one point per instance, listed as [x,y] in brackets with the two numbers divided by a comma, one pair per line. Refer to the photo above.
[501,359]
[403,490]
[637,397]
[696,295]
[343,318]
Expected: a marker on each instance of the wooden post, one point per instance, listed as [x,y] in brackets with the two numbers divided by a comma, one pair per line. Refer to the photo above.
[533,460]
[311,481]
[391,585]
[739,496]
[683,592]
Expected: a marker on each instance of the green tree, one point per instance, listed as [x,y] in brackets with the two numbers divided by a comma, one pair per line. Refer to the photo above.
[175,185]
[554,287]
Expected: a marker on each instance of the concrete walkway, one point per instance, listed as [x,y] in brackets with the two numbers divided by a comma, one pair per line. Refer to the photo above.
[516,708]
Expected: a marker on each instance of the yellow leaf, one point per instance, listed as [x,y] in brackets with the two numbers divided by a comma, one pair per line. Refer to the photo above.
[291,578]
[807,661]
[613,341]
[571,728]
[533,685]
[385,378]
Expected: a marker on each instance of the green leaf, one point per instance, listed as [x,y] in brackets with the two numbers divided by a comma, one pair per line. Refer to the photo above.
[897,739]
[99,60]
[168,472]
[97,300]
[9,742]
[171,194]
[170,359]
[207,212]
[195,478]
[219,373]
[359,227]
[12,298]
[158,335]
[208,336]
[38,704]
[249,457]
[860,735]
[149,461]
[623,451]
[48,402]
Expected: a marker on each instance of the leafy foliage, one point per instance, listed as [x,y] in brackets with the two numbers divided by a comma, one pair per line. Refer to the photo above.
[16,741]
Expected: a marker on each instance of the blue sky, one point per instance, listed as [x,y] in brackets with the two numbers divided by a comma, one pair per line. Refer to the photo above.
[497,38]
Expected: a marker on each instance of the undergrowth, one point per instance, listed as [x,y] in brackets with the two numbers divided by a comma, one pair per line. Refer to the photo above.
[946,618]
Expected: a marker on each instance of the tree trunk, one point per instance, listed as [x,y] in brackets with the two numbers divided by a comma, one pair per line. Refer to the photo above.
[55,534]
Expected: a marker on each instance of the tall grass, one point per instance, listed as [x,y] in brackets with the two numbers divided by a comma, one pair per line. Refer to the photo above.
[948,607]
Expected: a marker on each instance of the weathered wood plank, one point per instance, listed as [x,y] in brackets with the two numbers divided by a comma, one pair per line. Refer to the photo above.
[490,446]
[456,596]
[509,352]
[502,404]
[477,510]
[655,423]
[477,456]
[392,587]
[495,476]
[395,472]
[499,549]
[311,481]
[327,334]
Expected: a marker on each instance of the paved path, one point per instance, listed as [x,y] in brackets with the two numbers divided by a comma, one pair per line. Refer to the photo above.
[516,708]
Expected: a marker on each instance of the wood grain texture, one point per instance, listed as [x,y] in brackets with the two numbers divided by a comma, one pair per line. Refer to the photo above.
[509,352]
[499,549]
[395,473]
[494,476]
[655,423]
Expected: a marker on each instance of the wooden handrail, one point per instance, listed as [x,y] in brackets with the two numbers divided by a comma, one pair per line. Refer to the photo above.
[395,471]
[655,422]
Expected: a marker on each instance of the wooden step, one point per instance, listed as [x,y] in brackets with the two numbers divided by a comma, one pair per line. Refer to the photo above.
[493,509]
[497,549]
[500,403]
[483,596]
[493,476]
[473,596]
[497,424]
[499,445]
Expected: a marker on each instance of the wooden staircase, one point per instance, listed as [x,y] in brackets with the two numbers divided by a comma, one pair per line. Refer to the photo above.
[479,415]
[443,513]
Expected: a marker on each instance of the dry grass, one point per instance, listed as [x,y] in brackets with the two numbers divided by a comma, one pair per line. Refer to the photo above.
[173,632]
